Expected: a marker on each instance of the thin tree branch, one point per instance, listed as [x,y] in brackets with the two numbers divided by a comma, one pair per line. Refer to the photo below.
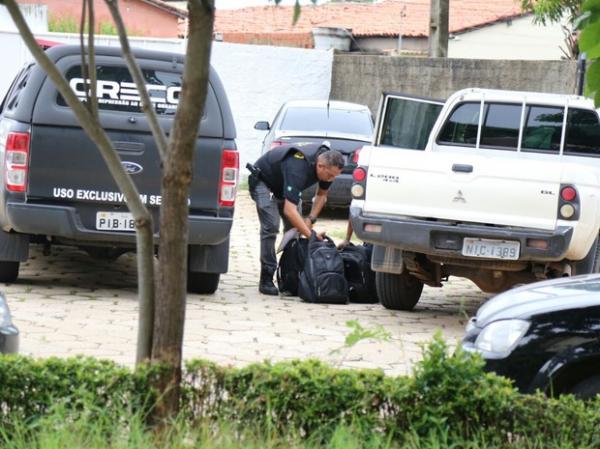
[143,219]
[136,73]
[84,66]
[92,59]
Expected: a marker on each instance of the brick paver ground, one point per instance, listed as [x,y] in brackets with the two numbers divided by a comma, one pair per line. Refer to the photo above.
[67,304]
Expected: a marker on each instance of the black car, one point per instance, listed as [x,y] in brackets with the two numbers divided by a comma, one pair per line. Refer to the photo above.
[9,334]
[545,336]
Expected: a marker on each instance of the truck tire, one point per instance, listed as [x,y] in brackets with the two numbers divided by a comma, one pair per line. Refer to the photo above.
[9,270]
[398,291]
[590,263]
[203,283]
[588,388]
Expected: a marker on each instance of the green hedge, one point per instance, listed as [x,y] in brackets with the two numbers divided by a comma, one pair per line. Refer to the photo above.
[446,392]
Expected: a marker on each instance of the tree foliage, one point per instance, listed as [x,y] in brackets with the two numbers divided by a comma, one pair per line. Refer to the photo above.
[552,11]
[589,42]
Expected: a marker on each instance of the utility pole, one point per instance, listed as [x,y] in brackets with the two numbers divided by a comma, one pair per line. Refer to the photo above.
[438,28]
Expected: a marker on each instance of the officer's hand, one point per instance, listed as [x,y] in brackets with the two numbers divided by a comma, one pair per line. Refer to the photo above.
[343,244]
[321,235]
[308,223]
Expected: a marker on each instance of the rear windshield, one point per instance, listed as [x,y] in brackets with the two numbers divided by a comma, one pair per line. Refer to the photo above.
[117,92]
[332,120]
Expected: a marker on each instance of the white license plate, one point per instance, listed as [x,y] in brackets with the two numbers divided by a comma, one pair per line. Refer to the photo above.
[114,221]
[491,249]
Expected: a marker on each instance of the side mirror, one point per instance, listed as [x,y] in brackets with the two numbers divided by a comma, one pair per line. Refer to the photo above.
[262,126]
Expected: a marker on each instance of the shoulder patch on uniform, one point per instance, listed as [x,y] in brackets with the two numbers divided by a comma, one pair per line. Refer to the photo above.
[298,155]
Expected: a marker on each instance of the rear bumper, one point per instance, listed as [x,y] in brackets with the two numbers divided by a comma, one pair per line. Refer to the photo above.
[444,239]
[338,194]
[64,222]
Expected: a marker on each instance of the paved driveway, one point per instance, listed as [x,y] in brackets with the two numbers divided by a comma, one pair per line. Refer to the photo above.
[67,304]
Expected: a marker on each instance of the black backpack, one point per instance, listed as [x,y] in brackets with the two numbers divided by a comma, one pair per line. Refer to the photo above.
[322,280]
[291,264]
[358,273]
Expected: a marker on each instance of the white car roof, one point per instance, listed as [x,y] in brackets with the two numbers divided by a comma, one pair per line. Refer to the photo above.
[475,94]
[333,104]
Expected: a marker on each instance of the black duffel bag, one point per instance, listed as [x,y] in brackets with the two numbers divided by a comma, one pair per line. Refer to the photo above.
[358,273]
[291,264]
[322,280]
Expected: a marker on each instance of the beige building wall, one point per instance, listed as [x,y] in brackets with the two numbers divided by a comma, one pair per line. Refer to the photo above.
[517,39]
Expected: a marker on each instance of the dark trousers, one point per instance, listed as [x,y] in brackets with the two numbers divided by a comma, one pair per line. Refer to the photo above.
[270,211]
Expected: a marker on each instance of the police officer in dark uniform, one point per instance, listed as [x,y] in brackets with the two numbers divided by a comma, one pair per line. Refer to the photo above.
[276,183]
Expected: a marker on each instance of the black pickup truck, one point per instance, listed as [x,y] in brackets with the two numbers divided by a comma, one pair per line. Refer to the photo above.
[55,188]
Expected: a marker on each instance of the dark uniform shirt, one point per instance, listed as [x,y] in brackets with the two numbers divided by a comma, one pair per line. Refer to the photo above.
[289,169]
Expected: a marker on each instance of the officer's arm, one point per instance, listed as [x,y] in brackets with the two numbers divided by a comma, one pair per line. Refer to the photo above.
[290,210]
[318,203]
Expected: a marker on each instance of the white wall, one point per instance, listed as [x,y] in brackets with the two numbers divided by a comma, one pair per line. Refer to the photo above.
[518,39]
[258,79]
[36,17]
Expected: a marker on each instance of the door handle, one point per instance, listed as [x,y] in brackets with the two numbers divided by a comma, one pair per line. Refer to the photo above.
[462,168]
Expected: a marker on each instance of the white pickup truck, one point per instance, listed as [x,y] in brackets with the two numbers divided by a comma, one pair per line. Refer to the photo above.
[495,186]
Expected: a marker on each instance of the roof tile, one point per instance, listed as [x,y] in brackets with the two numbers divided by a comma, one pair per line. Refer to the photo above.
[387,18]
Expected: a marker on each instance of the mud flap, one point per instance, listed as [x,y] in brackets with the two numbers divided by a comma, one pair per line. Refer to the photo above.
[387,260]
[14,247]
[209,258]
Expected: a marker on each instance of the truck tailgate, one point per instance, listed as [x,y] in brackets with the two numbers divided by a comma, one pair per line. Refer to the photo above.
[463,187]
[67,166]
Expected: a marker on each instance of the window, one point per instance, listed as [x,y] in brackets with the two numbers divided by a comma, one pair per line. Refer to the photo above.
[11,101]
[117,92]
[332,120]
[461,127]
[501,126]
[543,129]
[408,123]
[583,133]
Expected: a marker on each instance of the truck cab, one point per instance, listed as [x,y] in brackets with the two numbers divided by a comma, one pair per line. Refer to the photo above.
[500,187]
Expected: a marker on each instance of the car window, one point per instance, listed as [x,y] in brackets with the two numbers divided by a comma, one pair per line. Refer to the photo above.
[501,126]
[332,120]
[11,100]
[461,126]
[117,92]
[408,122]
[583,133]
[543,129]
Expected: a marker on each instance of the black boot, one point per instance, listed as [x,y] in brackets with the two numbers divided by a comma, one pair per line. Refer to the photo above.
[266,286]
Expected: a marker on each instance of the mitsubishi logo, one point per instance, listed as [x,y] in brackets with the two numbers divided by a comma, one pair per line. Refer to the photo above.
[459,198]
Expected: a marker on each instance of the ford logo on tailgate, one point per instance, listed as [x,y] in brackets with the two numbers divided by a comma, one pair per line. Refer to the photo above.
[132,168]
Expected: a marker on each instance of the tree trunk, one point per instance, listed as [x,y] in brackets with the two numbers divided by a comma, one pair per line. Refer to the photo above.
[177,176]
[438,28]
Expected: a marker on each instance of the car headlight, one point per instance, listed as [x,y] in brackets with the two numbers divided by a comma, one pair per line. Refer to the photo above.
[499,338]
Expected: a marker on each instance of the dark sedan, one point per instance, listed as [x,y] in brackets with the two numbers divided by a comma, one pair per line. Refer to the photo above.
[545,336]
[9,334]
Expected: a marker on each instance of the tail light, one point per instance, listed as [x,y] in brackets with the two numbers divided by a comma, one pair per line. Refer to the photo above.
[359,176]
[568,205]
[356,155]
[230,167]
[568,193]
[16,161]
[276,143]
